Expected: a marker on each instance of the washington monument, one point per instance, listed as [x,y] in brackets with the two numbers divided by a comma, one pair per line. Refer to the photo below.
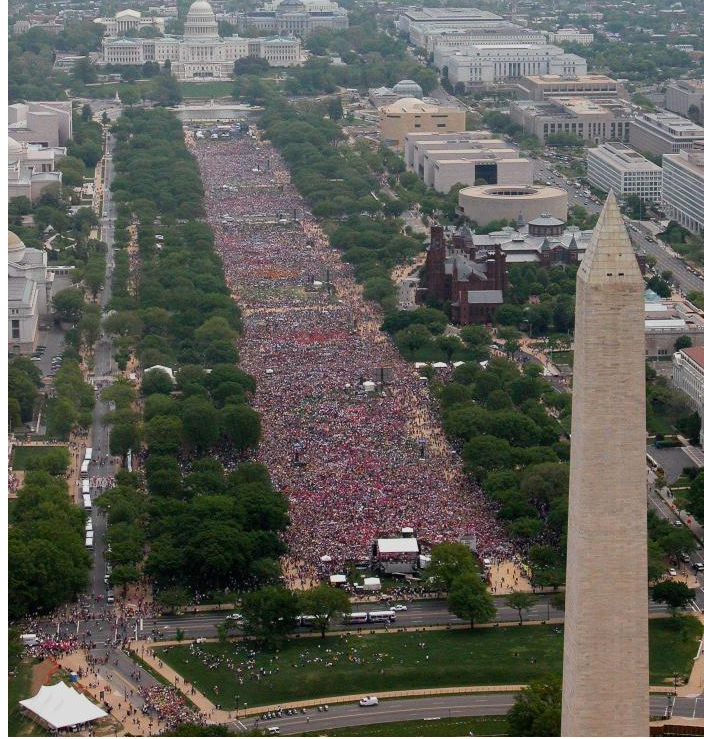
[605,676]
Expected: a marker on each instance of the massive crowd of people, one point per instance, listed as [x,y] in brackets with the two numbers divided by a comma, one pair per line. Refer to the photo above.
[347,457]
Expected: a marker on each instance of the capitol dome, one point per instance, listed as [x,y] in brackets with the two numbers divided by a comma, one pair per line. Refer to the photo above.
[15,247]
[200,21]
[408,89]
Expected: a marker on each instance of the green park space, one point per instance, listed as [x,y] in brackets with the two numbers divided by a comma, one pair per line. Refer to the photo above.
[19,687]
[315,668]
[206,90]
[460,726]
[28,456]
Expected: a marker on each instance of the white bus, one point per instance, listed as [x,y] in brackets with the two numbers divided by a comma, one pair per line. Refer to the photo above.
[89,453]
[87,504]
[85,487]
[84,468]
[306,620]
[382,616]
[89,541]
[359,617]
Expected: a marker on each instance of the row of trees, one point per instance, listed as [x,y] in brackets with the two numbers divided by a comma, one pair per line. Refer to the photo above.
[206,529]
[47,561]
[24,379]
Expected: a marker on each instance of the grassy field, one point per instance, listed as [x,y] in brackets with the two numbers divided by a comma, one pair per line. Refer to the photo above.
[206,90]
[19,688]
[338,665]
[566,357]
[478,726]
[22,454]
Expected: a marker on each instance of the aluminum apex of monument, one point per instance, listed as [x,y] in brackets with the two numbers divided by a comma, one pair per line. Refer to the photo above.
[605,672]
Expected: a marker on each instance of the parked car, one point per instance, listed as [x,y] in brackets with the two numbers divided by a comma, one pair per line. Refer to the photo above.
[672,572]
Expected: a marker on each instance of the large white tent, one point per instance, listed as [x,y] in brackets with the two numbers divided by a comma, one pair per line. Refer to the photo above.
[60,706]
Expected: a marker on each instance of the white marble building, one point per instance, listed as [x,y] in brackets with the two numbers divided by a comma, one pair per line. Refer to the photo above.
[126,22]
[200,53]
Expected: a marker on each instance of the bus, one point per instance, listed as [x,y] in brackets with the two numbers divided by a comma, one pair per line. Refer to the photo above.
[85,487]
[359,617]
[89,541]
[84,468]
[87,504]
[382,616]
[306,620]
[89,453]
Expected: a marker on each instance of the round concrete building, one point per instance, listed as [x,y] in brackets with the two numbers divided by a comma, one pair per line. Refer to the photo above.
[486,203]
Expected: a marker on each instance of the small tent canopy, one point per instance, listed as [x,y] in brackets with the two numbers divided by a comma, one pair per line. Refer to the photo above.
[369,386]
[338,579]
[458,364]
[161,367]
[420,365]
[372,583]
[326,558]
[439,365]
[60,706]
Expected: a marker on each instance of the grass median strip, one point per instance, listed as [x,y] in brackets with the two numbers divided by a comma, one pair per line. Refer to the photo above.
[478,726]
[234,673]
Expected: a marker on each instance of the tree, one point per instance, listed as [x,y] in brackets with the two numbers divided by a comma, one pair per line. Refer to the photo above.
[468,599]
[537,710]
[270,612]
[123,437]
[448,561]
[449,346]
[324,603]
[156,381]
[173,599]
[682,342]
[521,602]
[335,110]
[241,425]
[675,594]
[69,304]
[201,423]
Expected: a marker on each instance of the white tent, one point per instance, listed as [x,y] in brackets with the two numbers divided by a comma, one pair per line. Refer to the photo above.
[439,365]
[369,386]
[60,706]
[372,583]
[326,558]
[338,579]
[458,364]
[161,368]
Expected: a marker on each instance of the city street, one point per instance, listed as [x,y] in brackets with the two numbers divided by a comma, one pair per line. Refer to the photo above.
[436,707]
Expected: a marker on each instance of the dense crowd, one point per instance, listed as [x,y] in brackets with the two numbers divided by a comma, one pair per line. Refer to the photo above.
[168,704]
[347,459]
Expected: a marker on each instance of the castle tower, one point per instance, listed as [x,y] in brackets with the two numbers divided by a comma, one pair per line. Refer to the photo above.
[605,675]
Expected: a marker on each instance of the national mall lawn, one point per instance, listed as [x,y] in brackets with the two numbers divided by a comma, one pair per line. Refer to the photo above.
[342,664]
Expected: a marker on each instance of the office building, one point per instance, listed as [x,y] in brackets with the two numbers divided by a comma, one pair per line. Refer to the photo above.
[29,294]
[416,143]
[664,133]
[668,320]
[31,168]
[688,376]
[48,124]
[605,662]
[595,120]
[685,97]
[544,86]
[488,64]
[615,166]
[296,17]
[571,36]
[683,187]
[500,34]
[412,115]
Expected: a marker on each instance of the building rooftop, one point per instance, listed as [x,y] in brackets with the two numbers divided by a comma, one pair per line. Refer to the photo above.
[624,156]
[674,124]
[425,15]
[696,354]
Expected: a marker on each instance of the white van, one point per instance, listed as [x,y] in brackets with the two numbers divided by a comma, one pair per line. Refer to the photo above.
[29,640]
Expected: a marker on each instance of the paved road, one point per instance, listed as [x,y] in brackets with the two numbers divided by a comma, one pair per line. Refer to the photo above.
[419,614]
[686,281]
[428,709]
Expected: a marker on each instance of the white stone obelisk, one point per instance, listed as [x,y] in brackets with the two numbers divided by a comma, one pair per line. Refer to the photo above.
[605,675]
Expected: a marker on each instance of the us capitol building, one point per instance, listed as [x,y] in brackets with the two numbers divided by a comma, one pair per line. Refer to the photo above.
[201,53]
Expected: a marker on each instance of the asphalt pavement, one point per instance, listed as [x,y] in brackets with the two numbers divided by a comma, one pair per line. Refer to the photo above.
[432,709]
